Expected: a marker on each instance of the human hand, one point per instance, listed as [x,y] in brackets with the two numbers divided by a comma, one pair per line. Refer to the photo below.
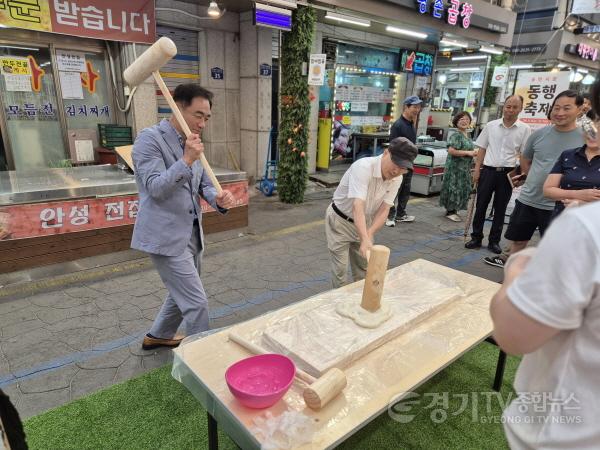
[226,200]
[365,248]
[570,203]
[588,195]
[193,149]
[476,174]
[519,180]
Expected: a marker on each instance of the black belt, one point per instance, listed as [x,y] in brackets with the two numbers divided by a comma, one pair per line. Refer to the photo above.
[499,169]
[341,214]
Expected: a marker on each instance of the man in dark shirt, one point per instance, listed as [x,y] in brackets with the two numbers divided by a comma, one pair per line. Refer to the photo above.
[404,127]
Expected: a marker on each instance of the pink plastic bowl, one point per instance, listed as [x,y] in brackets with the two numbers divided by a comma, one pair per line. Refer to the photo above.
[260,381]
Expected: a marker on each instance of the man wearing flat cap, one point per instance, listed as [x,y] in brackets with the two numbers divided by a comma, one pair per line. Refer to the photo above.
[360,207]
[404,127]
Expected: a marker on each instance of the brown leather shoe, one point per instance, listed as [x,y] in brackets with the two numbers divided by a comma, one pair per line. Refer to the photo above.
[151,342]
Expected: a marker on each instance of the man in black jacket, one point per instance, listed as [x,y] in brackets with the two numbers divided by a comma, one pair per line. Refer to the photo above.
[404,127]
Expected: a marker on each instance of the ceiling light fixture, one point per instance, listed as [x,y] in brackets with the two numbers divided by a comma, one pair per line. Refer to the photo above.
[561,66]
[583,71]
[213,10]
[588,79]
[521,66]
[415,34]
[465,69]
[20,48]
[492,50]
[452,43]
[348,19]
[468,58]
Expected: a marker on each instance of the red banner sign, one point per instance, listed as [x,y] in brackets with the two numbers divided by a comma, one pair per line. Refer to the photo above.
[43,219]
[114,20]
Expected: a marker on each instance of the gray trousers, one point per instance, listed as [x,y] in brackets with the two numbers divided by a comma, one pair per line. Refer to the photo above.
[186,300]
[343,243]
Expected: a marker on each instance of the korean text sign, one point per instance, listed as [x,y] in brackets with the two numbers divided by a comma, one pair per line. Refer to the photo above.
[130,21]
[539,89]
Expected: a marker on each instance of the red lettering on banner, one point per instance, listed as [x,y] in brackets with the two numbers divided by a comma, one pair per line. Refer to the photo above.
[43,219]
[116,20]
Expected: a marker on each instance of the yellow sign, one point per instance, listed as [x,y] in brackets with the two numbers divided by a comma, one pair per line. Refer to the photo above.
[347,120]
[29,14]
[13,65]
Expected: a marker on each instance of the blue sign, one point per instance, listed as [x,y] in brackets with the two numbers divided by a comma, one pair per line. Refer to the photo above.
[265,70]
[216,73]
[415,62]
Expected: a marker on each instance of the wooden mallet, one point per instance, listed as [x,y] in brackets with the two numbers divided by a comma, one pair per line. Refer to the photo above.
[318,392]
[373,288]
[149,63]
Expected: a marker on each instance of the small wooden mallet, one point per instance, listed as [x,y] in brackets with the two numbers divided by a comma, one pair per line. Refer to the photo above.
[149,63]
[318,392]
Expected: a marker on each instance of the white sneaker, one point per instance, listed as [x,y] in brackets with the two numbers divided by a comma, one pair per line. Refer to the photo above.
[406,218]
[454,217]
[390,223]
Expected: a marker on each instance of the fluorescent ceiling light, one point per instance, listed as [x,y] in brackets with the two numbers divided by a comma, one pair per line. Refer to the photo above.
[588,79]
[577,77]
[18,47]
[285,3]
[521,66]
[465,69]
[454,43]
[406,32]
[468,58]
[348,19]
[583,71]
[492,50]
[561,66]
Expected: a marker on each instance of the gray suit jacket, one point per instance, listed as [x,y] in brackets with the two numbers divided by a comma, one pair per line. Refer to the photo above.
[168,192]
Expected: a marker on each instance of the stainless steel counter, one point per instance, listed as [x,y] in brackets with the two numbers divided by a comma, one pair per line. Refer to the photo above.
[77,182]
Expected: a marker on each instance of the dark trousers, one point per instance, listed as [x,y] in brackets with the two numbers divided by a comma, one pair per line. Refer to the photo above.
[401,197]
[491,182]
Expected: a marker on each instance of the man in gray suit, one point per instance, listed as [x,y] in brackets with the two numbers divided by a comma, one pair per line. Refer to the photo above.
[168,226]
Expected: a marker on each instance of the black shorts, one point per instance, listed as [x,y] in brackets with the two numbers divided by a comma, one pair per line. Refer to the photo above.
[524,220]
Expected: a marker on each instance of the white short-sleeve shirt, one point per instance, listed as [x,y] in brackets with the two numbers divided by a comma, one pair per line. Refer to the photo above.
[503,145]
[364,180]
[559,404]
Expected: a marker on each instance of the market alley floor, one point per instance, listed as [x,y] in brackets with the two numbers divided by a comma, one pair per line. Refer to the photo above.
[67,335]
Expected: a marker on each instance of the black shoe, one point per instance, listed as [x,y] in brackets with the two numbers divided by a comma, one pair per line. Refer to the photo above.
[473,244]
[494,248]
[497,261]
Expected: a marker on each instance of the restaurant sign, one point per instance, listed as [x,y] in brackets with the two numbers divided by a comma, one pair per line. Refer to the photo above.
[115,20]
[454,12]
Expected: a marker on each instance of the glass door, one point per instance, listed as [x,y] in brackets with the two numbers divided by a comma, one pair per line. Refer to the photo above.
[31,108]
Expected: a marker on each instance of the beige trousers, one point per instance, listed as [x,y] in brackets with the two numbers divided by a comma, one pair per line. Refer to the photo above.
[343,243]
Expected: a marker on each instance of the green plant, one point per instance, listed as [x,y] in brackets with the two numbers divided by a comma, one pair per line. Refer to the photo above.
[490,91]
[295,108]
[60,164]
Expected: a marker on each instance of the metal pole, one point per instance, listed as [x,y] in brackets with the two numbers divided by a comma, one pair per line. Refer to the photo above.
[484,89]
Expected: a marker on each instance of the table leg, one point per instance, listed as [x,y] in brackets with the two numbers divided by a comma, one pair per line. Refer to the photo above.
[213,437]
[500,366]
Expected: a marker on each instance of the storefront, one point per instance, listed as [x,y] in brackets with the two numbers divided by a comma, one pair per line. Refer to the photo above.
[60,82]
[379,52]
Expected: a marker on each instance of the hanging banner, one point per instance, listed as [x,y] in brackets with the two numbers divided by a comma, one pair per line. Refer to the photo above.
[316,71]
[499,77]
[114,20]
[539,89]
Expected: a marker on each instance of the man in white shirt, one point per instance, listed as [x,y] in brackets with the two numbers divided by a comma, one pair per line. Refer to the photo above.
[500,144]
[360,207]
[549,309]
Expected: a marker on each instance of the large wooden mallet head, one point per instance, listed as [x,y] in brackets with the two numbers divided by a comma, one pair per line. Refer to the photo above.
[150,61]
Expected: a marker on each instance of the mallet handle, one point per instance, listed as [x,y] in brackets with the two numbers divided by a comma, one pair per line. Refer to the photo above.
[184,126]
[302,375]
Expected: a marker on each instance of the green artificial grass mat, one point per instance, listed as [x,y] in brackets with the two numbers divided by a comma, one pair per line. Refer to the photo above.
[154,411]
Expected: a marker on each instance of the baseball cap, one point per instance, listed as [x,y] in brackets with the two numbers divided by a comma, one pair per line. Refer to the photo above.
[412,100]
[403,152]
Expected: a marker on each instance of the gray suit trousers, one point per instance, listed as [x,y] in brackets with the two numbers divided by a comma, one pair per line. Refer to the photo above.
[186,300]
